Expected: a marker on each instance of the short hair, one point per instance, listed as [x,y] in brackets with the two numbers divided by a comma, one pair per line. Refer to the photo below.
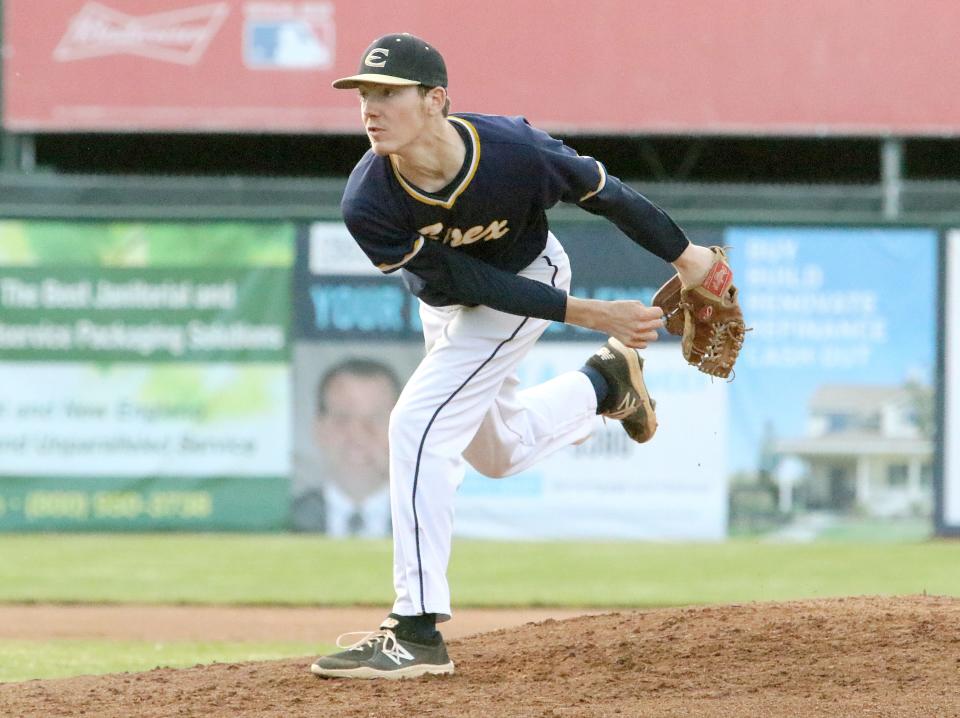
[355,366]
[424,91]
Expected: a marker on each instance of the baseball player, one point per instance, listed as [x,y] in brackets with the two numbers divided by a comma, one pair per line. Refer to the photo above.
[456,202]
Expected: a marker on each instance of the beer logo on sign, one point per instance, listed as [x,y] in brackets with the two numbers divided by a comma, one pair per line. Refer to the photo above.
[179,36]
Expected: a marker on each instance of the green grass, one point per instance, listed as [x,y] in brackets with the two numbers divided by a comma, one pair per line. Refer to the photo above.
[26,660]
[304,570]
[872,529]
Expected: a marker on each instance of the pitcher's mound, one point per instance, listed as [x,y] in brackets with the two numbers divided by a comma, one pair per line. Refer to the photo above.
[835,657]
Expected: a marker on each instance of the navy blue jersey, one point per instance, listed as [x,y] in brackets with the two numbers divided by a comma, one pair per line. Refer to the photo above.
[494,211]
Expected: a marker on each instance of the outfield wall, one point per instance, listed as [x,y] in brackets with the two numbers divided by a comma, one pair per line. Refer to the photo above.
[198,376]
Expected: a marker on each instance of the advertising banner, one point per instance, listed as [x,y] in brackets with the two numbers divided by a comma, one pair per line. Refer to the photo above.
[832,407]
[145,375]
[267,65]
[358,336]
[610,487]
[948,485]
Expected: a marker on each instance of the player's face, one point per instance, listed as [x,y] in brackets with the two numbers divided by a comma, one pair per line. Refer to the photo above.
[392,116]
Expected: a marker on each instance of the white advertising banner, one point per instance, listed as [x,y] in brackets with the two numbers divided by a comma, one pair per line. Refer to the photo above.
[149,420]
[950,520]
[609,486]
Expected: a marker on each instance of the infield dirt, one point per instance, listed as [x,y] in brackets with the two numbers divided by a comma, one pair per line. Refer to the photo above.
[865,656]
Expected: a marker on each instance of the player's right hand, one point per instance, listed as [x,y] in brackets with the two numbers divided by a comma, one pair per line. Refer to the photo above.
[632,322]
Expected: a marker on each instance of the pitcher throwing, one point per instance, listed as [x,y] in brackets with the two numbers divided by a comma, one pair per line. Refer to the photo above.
[457,203]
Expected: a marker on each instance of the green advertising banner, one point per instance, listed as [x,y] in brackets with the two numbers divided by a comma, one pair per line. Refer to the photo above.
[203,503]
[145,375]
[114,314]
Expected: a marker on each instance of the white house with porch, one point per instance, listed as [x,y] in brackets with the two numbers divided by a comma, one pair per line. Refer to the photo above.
[863,450]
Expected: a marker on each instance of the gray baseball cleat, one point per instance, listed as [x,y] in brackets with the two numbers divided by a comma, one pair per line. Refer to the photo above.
[382,655]
[629,402]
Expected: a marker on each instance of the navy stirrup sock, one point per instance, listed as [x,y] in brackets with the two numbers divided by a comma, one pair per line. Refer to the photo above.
[419,629]
[600,386]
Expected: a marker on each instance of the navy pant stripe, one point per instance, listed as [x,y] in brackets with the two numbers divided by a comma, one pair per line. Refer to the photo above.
[423,439]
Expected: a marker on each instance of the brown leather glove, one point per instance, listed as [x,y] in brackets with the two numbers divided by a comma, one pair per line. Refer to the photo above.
[707,316]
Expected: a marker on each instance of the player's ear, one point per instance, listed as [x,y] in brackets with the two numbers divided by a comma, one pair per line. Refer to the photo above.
[436,98]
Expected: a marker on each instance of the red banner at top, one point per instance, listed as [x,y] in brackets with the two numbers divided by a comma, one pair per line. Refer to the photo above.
[620,66]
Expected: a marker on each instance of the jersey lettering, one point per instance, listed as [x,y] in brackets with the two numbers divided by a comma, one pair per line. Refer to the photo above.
[454,236]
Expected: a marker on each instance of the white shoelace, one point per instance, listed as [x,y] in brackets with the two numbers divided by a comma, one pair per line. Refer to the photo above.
[368,637]
[392,648]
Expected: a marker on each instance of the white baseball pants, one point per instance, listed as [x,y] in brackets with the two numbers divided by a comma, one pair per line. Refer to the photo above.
[462,404]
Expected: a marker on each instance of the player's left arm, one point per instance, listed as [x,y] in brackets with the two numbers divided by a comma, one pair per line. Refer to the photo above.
[584,181]
[712,337]
[636,216]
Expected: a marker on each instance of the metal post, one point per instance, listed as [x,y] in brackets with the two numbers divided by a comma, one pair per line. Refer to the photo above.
[28,153]
[892,176]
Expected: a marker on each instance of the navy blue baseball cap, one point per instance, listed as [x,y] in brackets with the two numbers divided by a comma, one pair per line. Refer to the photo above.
[400,59]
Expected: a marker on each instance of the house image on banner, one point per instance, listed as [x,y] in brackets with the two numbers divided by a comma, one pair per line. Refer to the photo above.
[865,451]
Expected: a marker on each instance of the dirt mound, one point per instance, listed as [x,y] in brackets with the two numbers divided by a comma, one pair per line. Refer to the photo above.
[837,657]
[322,625]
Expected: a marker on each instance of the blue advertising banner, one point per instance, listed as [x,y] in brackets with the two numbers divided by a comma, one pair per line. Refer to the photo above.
[831,409]
[339,294]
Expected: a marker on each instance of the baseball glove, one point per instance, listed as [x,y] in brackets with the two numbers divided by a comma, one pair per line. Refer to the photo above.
[707,316]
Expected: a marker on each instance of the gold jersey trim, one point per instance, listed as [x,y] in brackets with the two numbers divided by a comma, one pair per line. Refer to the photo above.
[603,181]
[449,202]
[417,246]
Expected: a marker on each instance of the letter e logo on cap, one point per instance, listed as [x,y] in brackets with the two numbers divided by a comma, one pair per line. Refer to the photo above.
[377,57]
